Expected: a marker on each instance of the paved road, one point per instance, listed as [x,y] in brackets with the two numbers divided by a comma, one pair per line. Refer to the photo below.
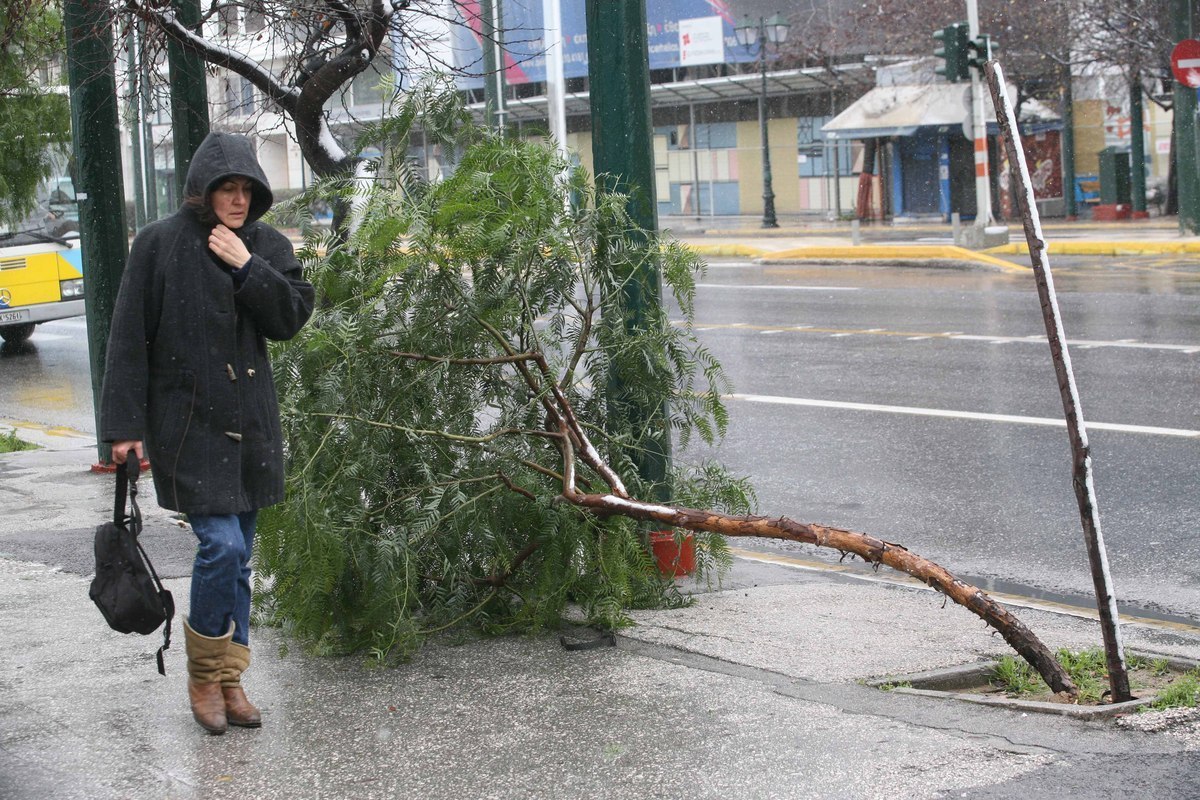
[47,380]
[840,373]
[921,406]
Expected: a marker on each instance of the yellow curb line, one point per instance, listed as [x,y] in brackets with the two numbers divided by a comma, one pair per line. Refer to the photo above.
[744,250]
[894,253]
[61,431]
[901,579]
[1101,248]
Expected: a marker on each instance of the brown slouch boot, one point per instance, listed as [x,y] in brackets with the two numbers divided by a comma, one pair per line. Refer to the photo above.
[238,708]
[205,658]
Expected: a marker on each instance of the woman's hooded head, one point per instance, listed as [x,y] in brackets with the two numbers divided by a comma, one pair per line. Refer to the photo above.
[219,157]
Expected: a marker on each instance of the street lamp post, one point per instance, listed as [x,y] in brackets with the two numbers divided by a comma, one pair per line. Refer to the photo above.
[775,31]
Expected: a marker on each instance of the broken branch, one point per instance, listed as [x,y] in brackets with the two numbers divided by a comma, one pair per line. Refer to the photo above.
[876,551]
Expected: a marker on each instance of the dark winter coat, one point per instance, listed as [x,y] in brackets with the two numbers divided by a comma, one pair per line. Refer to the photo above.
[187,369]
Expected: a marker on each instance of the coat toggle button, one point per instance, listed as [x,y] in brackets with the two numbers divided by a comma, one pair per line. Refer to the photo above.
[229,371]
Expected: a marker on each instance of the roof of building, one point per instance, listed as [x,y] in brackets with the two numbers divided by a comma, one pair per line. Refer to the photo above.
[902,110]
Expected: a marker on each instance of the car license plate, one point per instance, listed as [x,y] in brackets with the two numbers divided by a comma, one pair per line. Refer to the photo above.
[17,315]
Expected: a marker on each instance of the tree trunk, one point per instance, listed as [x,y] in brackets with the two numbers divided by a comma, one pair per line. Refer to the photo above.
[872,550]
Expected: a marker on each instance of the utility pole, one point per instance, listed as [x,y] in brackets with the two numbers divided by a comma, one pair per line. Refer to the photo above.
[623,154]
[1068,144]
[100,190]
[147,122]
[134,120]
[775,31]
[189,93]
[556,99]
[1137,149]
[493,63]
[983,192]
[1187,174]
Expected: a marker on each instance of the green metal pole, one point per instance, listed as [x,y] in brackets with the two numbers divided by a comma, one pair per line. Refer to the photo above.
[189,94]
[1137,148]
[623,154]
[1184,114]
[133,120]
[97,141]
[1068,148]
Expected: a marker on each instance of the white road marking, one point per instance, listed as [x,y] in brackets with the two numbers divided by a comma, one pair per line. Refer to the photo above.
[973,415]
[1081,343]
[775,287]
[914,336]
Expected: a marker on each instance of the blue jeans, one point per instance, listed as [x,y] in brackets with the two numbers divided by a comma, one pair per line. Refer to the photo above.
[221,574]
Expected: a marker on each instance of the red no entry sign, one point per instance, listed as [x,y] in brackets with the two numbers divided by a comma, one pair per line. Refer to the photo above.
[1185,63]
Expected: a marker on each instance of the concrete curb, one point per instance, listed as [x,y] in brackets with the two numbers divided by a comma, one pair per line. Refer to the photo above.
[894,253]
[947,683]
[1105,248]
[48,437]
[744,250]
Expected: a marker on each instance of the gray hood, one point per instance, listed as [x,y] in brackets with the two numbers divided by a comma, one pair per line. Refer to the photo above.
[220,156]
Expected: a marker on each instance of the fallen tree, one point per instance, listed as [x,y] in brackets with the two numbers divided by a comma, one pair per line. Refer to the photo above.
[456,448]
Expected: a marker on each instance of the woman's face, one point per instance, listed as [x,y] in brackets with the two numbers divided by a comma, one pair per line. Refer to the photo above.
[231,201]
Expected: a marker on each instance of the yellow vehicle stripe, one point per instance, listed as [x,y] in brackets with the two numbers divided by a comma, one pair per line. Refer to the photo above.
[37,281]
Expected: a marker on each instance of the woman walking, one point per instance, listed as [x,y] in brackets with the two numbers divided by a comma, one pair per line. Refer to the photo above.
[187,374]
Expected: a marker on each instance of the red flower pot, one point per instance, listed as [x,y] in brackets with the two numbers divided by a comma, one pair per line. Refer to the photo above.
[674,557]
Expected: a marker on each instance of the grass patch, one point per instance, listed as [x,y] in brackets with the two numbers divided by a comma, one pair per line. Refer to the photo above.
[1183,692]
[10,443]
[893,685]
[1015,677]
[1089,670]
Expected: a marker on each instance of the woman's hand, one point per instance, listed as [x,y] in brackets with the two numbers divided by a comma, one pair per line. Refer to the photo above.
[120,451]
[228,247]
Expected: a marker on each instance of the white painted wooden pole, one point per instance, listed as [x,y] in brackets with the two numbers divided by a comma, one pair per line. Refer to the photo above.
[556,92]
[983,189]
[1085,489]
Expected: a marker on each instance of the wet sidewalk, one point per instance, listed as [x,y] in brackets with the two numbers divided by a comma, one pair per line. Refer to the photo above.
[756,690]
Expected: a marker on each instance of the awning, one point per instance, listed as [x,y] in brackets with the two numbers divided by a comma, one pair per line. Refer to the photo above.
[901,110]
[726,88]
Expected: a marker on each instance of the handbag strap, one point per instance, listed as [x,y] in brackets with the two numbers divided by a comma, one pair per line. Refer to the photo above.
[165,597]
[127,478]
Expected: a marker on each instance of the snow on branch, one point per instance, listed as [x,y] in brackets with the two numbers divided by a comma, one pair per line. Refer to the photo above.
[253,71]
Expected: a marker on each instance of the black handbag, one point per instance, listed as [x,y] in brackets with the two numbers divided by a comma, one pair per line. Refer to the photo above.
[126,588]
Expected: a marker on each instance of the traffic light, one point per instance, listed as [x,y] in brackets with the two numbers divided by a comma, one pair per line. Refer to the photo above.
[955,40]
[981,50]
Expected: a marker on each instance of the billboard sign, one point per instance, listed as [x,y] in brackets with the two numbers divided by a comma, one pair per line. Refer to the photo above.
[667,23]
[701,41]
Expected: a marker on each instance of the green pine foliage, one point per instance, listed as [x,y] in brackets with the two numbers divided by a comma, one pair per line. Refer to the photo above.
[423,495]
[35,121]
